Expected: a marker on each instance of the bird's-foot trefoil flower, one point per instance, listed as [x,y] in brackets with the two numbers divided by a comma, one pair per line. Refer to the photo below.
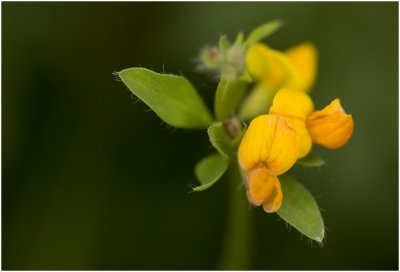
[296,68]
[273,142]
[330,127]
[263,123]
[272,70]
[268,149]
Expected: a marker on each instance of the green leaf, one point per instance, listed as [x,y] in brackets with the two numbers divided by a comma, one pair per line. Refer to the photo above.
[239,38]
[262,32]
[311,160]
[171,97]
[209,170]
[224,44]
[300,209]
[220,140]
[228,96]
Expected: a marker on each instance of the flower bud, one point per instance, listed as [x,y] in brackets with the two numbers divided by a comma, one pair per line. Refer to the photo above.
[235,56]
[211,58]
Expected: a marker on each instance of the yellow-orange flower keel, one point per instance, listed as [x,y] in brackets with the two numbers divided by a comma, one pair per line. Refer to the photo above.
[264,188]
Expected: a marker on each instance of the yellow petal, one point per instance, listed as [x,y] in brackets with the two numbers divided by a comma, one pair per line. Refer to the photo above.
[260,183]
[270,67]
[292,103]
[330,127]
[305,139]
[304,59]
[285,148]
[271,142]
[274,201]
[255,142]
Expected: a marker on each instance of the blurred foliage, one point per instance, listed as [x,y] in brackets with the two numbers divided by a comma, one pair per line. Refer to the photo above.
[90,181]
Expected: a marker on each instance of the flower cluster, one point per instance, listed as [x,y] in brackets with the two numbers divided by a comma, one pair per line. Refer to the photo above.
[274,141]
[263,121]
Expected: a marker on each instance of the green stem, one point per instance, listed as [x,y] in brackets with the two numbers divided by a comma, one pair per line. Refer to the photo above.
[236,254]
[257,102]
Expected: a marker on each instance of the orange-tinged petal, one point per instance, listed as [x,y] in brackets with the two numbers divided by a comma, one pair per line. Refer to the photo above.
[304,58]
[270,67]
[333,107]
[292,103]
[330,127]
[260,183]
[274,201]
[270,141]
[305,139]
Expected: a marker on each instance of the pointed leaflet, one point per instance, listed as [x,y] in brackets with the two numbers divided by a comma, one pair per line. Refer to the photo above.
[228,96]
[209,170]
[262,32]
[171,97]
[224,44]
[311,160]
[239,38]
[300,209]
[220,140]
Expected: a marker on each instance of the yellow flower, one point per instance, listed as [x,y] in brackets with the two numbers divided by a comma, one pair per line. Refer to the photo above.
[269,67]
[304,58]
[268,149]
[330,127]
[274,141]
[296,68]
[272,70]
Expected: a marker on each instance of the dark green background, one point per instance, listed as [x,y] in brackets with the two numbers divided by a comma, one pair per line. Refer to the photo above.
[92,180]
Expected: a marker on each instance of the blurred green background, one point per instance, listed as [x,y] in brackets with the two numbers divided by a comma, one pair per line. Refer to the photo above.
[93,180]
